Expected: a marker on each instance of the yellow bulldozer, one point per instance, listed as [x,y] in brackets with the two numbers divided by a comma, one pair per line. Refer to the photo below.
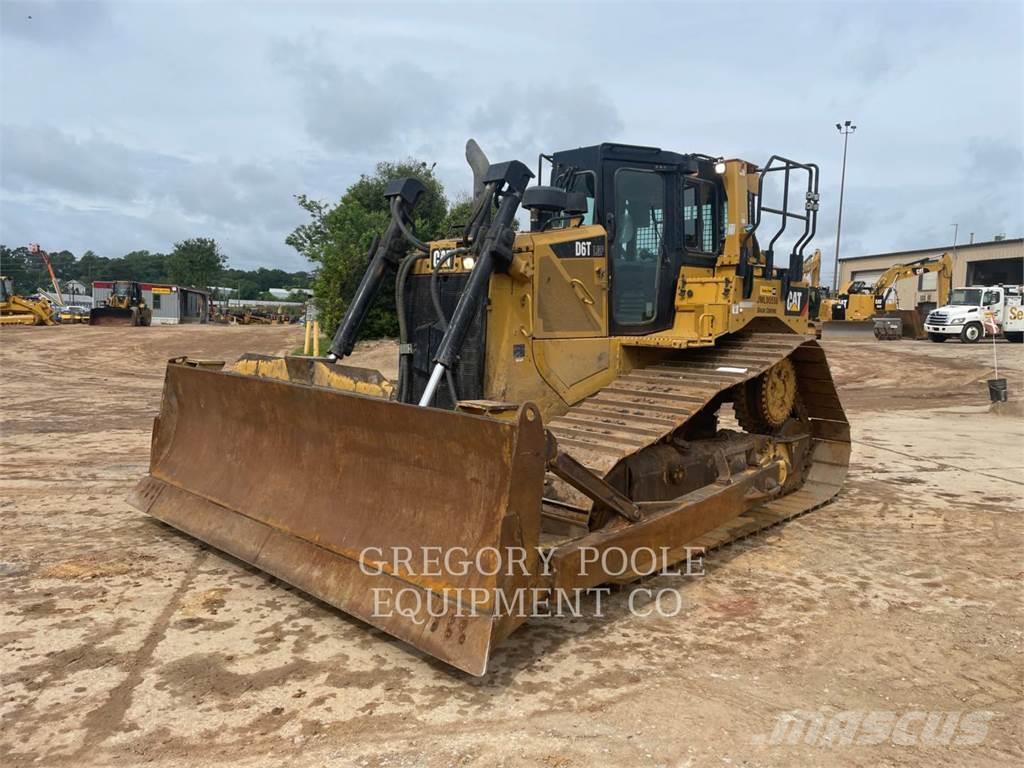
[862,310]
[555,424]
[22,310]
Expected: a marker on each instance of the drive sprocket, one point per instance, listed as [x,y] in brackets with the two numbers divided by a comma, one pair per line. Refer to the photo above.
[764,403]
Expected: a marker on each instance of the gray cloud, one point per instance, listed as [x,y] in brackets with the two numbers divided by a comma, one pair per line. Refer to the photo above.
[358,111]
[524,119]
[129,125]
[47,168]
[53,22]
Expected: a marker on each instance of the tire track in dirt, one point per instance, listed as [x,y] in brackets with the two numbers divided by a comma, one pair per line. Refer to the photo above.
[105,719]
[940,464]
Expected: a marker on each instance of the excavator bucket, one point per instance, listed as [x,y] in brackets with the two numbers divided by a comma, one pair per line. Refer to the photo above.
[904,324]
[357,500]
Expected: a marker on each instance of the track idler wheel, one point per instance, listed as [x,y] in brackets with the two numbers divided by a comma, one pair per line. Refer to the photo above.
[764,403]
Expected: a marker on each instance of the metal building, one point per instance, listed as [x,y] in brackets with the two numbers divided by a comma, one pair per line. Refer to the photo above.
[171,304]
[995,262]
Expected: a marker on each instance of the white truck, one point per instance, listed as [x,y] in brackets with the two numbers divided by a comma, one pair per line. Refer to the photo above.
[979,310]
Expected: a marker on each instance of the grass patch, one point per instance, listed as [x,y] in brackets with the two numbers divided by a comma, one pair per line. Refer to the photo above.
[325,345]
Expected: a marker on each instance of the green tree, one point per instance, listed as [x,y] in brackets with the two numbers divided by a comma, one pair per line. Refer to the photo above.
[197,262]
[145,267]
[26,269]
[458,216]
[63,263]
[337,240]
[94,267]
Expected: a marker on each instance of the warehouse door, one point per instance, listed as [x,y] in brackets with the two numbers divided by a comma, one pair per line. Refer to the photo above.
[996,272]
[869,276]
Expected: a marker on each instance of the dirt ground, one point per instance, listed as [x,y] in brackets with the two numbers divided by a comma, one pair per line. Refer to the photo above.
[126,642]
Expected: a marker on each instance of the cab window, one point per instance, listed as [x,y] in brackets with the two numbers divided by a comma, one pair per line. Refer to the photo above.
[586,182]
[701,221]
[991,297]
[639,245]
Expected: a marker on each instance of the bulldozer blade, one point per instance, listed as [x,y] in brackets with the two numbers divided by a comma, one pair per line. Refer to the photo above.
[112,316]
[848,330]
[353,499]
[315,371]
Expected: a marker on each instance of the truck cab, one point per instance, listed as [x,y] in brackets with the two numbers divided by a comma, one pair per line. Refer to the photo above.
[972,308]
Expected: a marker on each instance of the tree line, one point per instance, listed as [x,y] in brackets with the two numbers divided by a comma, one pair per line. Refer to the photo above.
[196,262]
[335,239]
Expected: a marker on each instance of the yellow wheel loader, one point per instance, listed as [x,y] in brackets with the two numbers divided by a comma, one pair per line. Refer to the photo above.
[20,310]
[555,422]
[124,306]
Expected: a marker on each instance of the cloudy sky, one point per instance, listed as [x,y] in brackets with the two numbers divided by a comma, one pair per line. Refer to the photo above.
[131,125]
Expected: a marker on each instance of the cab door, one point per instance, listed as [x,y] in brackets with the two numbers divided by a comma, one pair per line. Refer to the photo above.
[642,283]
[570,283]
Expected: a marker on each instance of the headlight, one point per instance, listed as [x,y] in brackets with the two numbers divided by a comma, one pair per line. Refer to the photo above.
[720,167]
[957,321]
[468,262]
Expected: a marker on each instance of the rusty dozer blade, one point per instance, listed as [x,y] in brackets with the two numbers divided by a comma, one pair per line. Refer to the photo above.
[112,316]
[353,498]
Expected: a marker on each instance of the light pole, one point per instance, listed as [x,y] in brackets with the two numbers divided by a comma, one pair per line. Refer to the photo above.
[956,231]
[846,129]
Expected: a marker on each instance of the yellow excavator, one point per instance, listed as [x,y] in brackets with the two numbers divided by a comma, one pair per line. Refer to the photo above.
[816,292]
[577,404]
[863,310]
[21,310]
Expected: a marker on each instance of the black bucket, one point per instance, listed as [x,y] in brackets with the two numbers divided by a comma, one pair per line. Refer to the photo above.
[997,390]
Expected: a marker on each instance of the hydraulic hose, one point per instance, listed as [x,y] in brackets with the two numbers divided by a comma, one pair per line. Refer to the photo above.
[404,357]
[396,213]
[435,288]
[495,247]
[435,298]
[385,254]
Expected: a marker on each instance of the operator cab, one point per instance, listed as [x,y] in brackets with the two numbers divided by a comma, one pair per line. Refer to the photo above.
[661,210]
